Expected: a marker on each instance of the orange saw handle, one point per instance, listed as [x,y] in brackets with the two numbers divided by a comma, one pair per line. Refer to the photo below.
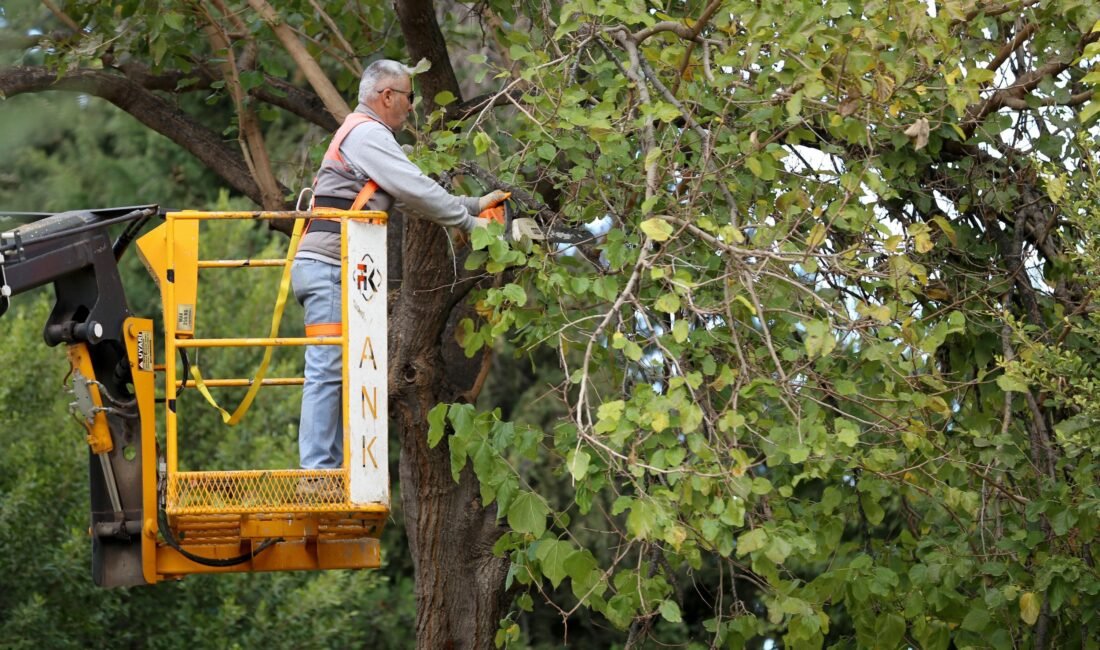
[500,213]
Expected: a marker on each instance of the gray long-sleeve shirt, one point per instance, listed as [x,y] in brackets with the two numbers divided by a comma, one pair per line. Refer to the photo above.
[370,151]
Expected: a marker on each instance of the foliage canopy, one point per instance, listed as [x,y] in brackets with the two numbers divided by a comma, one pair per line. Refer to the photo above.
[825,371]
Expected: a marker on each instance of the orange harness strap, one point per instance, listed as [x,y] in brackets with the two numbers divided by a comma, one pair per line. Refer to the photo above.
[324,329]
[332,154]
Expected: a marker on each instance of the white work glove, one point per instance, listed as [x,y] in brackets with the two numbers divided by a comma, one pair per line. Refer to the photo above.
[479,223]
[494,198]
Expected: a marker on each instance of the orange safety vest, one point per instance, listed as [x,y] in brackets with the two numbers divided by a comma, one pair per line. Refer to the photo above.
[333,157]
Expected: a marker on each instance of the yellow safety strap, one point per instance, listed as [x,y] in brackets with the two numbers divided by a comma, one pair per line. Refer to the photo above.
[276,318]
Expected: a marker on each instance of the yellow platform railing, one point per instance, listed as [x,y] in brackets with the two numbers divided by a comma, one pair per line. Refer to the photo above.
[191,493]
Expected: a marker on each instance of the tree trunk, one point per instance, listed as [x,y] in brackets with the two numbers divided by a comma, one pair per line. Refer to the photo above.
[460,592]
[459,583]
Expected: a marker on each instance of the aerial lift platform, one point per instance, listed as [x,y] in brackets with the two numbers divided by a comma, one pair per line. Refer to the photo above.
[152,520]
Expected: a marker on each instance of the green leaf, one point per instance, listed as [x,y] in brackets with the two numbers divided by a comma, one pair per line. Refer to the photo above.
[668,303]
[577,461]
[642,520]
[889,630]
[847,432]
[845,387]
[754,166]
[778,550]
[979,75]
[657,229]
[436,422]
[666,112]
[670,611]
[819,339]
[817,236]
[794,106]
[680,331]
[976,620]
[652,156]
[174,20]
[552,554]
[527,514]
[482,142]
[1030,605]
[444,98]
[1012,383]
[1090,110]
[798,453]
[751,541]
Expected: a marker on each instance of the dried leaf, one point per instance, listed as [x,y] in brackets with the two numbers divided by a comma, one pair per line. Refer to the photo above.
[918,133]
[848,106]
[884,87]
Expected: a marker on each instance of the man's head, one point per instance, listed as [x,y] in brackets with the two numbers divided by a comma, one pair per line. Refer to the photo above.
[386,87]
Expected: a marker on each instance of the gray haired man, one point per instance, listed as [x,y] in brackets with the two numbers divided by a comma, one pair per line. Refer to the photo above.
[364,168]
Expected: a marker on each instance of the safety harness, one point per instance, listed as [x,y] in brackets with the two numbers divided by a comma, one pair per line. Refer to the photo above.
[332,157]
[321,224]
[315,224]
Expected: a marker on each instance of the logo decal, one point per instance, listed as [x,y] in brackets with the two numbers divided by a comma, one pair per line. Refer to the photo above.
[368,278]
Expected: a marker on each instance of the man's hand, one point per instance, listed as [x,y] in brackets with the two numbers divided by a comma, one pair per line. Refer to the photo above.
[479,223]
[494,198]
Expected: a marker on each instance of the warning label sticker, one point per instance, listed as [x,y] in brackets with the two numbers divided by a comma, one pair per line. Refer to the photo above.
[185,318]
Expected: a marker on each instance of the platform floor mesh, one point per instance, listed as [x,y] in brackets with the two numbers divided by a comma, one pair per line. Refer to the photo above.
[258,491]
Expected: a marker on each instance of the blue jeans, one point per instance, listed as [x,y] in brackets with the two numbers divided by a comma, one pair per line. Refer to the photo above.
[320,431]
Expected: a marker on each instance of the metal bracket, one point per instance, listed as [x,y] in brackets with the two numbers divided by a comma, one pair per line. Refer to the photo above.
[84,405]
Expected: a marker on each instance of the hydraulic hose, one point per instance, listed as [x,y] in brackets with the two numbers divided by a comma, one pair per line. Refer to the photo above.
[170,539]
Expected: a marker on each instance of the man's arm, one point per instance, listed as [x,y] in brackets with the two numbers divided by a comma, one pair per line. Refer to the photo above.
[372,151]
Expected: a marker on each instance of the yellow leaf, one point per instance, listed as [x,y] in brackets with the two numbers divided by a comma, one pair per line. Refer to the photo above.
[881,313]
[657,229]
[817,235]
[945,226]
[1029,607]
[923,242]
[652,156]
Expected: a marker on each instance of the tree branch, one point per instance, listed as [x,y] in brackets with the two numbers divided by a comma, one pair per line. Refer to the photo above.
[249,135]
[150,110]
[320,83]
[355,66]
[62,16]
[274,91]
[418,17]
[1019,39]
[1023,85]
[696,29]
[680,29]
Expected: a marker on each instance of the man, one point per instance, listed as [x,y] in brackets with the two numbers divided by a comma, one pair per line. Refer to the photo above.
[364,168]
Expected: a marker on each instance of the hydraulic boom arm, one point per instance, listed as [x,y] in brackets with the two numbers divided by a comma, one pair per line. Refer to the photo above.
[73,251]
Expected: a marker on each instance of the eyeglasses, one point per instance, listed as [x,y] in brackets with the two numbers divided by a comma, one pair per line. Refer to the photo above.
[410,93]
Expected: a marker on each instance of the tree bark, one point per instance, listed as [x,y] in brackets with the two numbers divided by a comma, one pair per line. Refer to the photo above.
[460,592]
[459,582]
[424,40]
